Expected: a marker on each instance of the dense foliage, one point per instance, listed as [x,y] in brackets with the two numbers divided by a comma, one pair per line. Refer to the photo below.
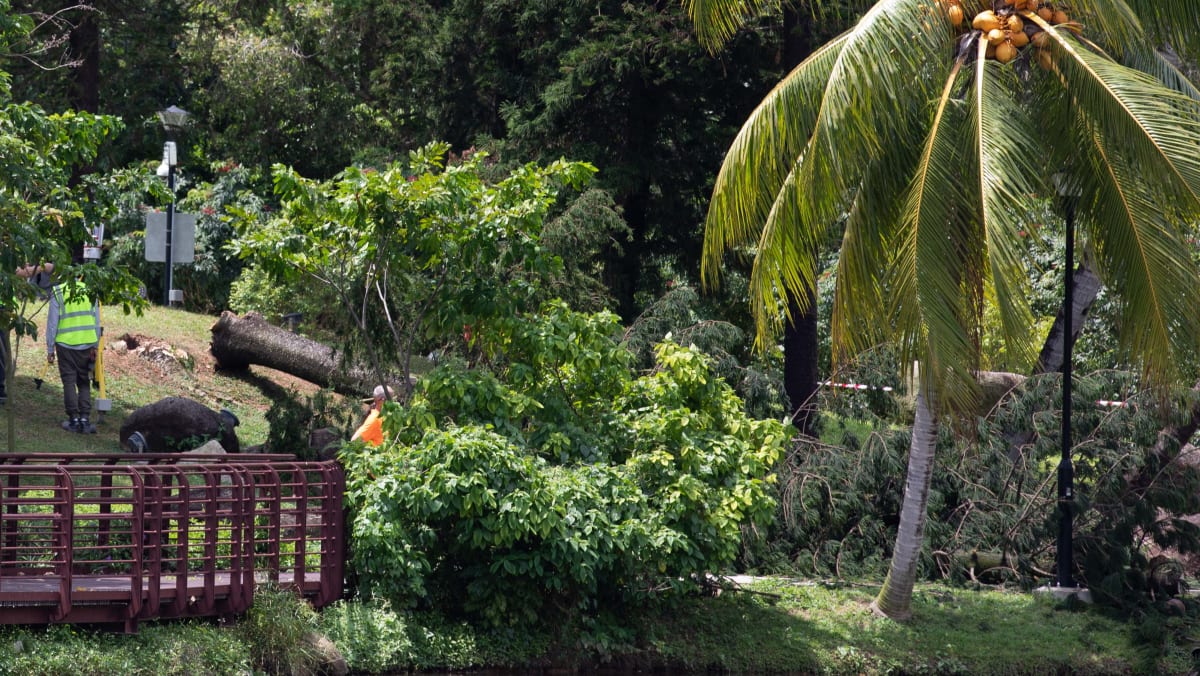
[416,253]
[558,481]
[993,505]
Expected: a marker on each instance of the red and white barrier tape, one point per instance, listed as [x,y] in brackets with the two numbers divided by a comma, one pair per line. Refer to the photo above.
[859,386]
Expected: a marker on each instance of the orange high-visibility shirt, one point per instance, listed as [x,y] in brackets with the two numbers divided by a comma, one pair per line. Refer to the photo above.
[371,431]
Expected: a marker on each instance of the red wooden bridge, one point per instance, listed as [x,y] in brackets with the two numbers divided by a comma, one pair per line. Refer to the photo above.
[113,538]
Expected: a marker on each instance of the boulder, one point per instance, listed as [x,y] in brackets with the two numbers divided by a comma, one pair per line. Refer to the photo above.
[325,442]
[177,424]
[329,658]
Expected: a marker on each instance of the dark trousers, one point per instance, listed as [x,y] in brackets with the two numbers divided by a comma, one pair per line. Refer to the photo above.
[74,367]
[5,360]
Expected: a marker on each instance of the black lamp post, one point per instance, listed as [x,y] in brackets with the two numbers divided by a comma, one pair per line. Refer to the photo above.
[1065,578]
[173,120]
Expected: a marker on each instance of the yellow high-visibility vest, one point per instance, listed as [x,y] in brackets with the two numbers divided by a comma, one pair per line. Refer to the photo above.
[78,324]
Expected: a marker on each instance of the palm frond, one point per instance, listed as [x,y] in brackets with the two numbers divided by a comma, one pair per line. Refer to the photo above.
[1006,150]
[716,21]
[762,156]
[933,263]
[860,319]
[1170,22]
[876,98]
[1154,63]
[1154,128]
[1141,254]
[878,95]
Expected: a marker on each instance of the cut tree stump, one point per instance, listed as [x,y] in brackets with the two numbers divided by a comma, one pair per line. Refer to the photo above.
[239,342]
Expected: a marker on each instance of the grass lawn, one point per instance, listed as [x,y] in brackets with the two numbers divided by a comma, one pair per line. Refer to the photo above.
[789,626]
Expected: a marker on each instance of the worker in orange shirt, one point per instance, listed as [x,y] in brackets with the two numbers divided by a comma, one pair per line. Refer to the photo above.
[371,430]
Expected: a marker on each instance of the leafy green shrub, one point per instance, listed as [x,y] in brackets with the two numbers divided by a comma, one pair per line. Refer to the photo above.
[255,291]
[291,421]
[370,635]
[182,648]
[277,628]
[557,482]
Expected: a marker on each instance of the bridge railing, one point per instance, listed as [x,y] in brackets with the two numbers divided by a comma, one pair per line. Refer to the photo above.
[120,538]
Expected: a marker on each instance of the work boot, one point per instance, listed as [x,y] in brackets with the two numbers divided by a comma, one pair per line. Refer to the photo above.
[85,426]
[71,424]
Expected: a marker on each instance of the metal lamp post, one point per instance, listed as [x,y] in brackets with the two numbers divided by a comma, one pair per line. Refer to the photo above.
[1068,193]
[173,120]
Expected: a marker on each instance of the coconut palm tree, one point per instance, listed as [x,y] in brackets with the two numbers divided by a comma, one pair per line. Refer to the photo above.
[923,137]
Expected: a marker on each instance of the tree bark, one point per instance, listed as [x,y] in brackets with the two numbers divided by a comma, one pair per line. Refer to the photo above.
[895,597]
[238,342]
[993,386]
[1087,288]
[800,340]
[800,365]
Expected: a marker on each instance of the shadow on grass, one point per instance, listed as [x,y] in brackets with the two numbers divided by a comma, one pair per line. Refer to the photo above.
[269,388]
[735,632]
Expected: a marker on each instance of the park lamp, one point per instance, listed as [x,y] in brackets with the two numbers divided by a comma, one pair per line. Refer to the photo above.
[174,119]
[1068,189]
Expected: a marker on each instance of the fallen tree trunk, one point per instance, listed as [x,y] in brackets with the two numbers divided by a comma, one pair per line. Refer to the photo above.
[994,386]
[238,342]
[1087,288]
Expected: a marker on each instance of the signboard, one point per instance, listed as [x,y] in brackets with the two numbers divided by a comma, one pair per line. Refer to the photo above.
[183,237]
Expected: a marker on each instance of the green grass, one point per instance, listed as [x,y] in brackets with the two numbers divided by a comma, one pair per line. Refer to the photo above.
[814,628]
[777,626]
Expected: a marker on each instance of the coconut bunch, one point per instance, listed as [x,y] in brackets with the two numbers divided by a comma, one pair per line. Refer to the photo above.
[1009,26]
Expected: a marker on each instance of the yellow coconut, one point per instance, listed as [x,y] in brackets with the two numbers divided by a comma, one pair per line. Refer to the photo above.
[1015,24]
[985,21]
[1044,59]
[1005,52]
[1040,39]
[956,15]
[1019,39]
[1046,13]
[1060,17]
[995,36]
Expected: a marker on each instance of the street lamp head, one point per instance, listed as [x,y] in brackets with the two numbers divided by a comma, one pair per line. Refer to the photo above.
[173,119]
[1066,184]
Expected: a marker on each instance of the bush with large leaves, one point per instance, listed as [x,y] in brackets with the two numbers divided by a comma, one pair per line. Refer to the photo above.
[557,481]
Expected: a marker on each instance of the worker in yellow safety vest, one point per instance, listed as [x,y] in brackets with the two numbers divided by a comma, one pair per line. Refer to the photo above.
[72,334]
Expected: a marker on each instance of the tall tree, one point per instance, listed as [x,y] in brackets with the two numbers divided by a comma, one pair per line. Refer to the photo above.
[622,85]
[926,136]
[44,219]
[113,57]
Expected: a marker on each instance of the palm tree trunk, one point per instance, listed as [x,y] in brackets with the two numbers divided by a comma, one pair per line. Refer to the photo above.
[895,598]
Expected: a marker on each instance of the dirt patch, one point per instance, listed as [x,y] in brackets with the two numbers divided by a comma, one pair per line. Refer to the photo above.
[145,356]
[192,368]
